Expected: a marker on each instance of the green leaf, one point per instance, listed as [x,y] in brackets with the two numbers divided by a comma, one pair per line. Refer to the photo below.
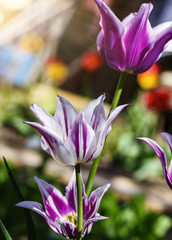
[27,215]
[5,232]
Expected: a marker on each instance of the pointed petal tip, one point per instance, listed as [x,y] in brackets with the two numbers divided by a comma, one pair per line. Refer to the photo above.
[164,134]
[147,7]
[36,178]
[26,122]
[107,186]
[32,106]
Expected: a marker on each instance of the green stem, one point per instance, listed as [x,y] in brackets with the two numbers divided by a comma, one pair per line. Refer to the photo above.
[79,198]
[118,91]
[114,104]
[4,230]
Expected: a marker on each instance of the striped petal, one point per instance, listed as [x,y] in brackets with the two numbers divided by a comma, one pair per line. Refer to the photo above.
[80,138]
[94,113]
[65,115]
[55,203]
[168,138]
[46,119]
[161,155]
[37,207]
[105,129]
[66,229]
[71,193]
[94,201]
[89,224]
[55,144]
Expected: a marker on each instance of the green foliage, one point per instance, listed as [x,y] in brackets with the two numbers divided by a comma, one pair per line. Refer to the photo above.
[27,216]
[11,215]
[15,109]
[131,221]
[123,147]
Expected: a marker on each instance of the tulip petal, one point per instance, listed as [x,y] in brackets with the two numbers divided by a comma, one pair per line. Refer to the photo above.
[168,138]
[55,144]
[46,119]
[59,208]
[161,155]
[94,201]
[89,224]
[65,115]
[45,146]
[110,38]
[128,19]
[113,114]
[94,113]
[170,173]
[80,138]
[55,203]
[138,32]
[71,193]
[66,229]
[163,34]
[37,207]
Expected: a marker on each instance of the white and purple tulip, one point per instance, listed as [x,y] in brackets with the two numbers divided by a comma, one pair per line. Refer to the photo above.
[72,137]
[161,155]
[131,45]
[60,212]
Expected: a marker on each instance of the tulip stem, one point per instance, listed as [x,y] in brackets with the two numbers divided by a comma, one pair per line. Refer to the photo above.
[79,198]
[114,104]
[118,91]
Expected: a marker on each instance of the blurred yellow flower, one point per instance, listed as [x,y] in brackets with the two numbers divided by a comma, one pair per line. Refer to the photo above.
[32,42]
[150,78]
[56,70]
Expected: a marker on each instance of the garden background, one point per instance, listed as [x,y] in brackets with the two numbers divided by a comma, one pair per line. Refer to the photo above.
[49,49]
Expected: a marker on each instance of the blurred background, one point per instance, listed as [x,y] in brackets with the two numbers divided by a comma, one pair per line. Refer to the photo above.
[48,48]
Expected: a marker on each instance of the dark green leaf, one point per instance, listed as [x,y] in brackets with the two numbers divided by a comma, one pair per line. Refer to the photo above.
[27,215]
[5,232]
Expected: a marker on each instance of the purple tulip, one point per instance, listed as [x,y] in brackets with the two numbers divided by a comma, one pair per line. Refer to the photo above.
[61,211]
[160,153]
[131,45]
[72,137]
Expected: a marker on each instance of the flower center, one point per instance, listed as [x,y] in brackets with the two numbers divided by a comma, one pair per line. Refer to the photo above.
[71,217]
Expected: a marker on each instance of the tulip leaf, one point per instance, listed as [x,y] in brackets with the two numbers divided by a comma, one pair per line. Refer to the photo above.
[5,232]
[27,215]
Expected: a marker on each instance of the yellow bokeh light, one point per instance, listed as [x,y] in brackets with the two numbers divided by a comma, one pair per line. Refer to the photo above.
[15,5]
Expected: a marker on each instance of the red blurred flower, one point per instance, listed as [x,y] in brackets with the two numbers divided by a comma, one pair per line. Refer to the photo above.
[157,99]
[91,62]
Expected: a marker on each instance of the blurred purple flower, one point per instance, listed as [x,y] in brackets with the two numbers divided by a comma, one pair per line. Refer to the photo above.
[131,45]
[61,211]
[160,153]
[72,137]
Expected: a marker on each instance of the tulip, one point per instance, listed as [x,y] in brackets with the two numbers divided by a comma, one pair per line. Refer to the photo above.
[158,99]
[131,45]
[161,155]
[72,137]
[60,212]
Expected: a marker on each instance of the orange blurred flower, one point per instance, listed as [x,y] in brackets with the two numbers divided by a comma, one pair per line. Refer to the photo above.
[56,70]
[91,62]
